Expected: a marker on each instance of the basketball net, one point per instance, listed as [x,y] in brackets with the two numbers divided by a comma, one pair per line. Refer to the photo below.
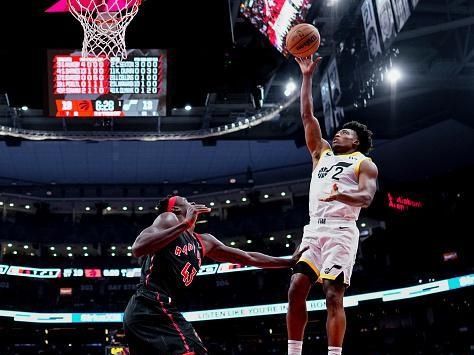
[105,23]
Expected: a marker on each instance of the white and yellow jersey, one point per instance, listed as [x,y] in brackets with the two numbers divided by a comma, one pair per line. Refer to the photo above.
[331,169]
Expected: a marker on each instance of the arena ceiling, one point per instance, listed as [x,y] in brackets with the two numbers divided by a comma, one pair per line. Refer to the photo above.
[428,153]
[216,51]
[222,53]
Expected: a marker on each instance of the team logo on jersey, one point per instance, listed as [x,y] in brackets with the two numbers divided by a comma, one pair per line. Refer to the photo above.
[323,172]
[339,168]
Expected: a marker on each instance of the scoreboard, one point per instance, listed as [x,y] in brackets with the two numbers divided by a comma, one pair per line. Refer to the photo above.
[108,87]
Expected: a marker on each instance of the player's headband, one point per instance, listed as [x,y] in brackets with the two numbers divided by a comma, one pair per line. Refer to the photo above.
[171,203]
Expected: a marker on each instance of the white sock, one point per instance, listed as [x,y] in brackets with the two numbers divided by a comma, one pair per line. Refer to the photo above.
[334,350]
[295,347]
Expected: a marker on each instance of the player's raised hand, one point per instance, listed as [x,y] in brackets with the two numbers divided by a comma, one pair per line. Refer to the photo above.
[193,211]
[308,65]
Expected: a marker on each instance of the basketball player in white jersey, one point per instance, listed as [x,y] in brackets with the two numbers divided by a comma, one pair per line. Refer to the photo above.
[343,181]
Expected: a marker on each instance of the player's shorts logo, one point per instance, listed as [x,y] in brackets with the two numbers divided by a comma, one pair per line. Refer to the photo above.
[328,270]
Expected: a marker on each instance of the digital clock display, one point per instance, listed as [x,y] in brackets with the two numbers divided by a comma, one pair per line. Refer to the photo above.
[108,87]
[107,105]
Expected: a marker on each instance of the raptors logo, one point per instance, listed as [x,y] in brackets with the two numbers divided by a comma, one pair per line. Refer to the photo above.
[85,105]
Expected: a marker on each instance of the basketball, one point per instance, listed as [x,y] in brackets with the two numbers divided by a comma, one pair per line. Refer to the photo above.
[303,40]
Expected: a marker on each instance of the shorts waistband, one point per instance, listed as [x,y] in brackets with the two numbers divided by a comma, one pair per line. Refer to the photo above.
[153,295]
[330,221]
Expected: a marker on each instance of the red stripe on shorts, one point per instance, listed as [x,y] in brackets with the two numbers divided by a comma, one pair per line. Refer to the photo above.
[176,326]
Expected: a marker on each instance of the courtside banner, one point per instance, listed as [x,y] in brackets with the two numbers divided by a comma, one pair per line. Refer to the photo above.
[398,294]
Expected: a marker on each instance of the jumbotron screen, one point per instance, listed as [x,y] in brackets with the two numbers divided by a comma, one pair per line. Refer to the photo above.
[115,87]
[274,18]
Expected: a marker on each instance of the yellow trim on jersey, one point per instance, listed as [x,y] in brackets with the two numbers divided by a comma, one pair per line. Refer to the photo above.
[348,155]
[310,264]
[324,152]
[321,157]
[357,167]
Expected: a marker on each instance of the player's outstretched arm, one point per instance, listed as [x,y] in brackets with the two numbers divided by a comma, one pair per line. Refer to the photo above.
[367,187]
[312,129]
[166,228]
[218,251]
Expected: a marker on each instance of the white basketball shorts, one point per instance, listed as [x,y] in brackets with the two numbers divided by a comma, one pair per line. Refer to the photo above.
[332,248]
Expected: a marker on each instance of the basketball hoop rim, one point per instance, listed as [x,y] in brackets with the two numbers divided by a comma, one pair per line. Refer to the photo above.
[71,9]
[104,31]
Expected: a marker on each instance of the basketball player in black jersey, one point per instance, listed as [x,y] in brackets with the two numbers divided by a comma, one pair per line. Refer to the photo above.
[173,255]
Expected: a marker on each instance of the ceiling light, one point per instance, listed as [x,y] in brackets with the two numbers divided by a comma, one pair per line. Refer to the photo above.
[394,75]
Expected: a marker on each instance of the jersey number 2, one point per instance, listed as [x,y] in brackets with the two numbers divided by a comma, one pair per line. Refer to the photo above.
[188,276]
[338,171]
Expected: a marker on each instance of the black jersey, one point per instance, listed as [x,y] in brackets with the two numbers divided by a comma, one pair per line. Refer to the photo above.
[173,267]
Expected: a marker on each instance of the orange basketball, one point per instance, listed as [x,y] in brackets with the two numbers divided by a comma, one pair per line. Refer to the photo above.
[303,40]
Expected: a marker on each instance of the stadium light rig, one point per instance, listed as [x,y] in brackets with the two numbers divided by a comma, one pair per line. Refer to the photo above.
[290,88]
[394,75]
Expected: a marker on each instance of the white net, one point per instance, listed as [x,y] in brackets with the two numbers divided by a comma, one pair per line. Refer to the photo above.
[105,23]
